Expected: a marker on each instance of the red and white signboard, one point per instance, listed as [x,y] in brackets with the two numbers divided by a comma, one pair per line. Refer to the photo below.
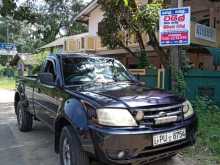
[175,26]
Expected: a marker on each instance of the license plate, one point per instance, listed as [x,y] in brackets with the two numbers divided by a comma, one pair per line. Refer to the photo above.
[169,137]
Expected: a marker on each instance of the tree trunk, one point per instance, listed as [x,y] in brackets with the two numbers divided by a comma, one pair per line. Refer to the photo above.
[140,41]
[127,49]
[164,57]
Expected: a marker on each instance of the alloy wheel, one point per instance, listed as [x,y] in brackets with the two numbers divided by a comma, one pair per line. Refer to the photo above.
[66,152]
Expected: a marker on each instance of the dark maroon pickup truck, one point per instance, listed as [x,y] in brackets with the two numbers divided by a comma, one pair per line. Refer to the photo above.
[98,110]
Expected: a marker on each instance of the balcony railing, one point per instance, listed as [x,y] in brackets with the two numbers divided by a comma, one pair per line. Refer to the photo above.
[87,42]
[79,43]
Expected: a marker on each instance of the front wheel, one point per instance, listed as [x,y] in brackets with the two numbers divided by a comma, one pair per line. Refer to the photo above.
[71,152]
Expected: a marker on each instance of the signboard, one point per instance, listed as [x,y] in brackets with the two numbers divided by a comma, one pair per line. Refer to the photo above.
[140,72]
[8,49]
[205,32]
[175,26]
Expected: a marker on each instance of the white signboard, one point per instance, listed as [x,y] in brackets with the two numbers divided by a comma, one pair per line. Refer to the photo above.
[205,32]
[8,49]
[175,26]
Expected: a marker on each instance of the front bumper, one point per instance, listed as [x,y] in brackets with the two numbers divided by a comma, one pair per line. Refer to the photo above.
[137,143]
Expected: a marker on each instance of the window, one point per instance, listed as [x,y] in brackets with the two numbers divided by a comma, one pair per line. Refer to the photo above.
[100,28]
[65,45]
[78,44]
[214,25]
[82,42]
[93,71]
[49,68]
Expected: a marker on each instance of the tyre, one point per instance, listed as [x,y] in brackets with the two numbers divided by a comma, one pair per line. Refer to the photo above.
[24,118]
[71,152]
[171,156]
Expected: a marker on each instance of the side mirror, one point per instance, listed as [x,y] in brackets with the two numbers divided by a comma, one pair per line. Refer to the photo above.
[46,78]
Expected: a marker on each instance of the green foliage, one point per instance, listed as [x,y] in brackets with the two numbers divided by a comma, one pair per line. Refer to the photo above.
[32,25]
[148,16]
[184,59]
[7,71]
[39,58]
[126,16]
[4,60]
[207,148]
[143,60]
[126,2]
[178,82]
[2,69]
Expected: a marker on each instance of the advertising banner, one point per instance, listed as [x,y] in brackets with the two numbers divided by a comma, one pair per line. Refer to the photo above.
[175,26]
[8,49]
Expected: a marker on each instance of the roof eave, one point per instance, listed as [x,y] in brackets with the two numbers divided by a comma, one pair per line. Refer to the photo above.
[86,11]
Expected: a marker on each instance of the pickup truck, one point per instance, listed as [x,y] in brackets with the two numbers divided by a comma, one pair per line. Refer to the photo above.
[99,111]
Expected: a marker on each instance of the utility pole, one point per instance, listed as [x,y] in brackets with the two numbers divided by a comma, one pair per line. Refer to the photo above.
[180,3]
[175,55]
[175,51]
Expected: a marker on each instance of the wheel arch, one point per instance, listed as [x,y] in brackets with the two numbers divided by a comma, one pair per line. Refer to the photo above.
[72,113]
[59,124]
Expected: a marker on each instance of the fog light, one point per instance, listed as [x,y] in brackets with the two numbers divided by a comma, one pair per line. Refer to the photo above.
[139,116]
[121,154]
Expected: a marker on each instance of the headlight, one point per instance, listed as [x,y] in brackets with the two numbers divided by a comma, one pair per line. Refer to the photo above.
[187,109]
[115,117]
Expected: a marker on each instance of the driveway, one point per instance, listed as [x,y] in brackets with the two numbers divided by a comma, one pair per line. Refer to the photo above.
[36,147]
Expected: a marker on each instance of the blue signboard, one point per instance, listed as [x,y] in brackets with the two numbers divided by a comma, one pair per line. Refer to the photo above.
[8,49]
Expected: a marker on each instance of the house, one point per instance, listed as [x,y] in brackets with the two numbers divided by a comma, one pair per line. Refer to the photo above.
[23,62]
[205,35]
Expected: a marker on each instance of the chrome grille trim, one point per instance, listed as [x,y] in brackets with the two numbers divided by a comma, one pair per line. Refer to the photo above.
[151,114]
[161,108]
[168,114]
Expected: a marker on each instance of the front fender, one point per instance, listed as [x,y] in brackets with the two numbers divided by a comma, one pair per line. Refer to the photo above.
[74,113]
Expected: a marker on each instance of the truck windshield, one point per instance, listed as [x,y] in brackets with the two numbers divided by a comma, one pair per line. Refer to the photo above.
[79,71]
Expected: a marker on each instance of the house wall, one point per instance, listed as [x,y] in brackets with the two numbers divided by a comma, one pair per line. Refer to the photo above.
[205,59]
[95,17]
[202,9]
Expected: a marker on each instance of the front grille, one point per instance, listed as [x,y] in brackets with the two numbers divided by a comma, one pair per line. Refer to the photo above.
[152,114]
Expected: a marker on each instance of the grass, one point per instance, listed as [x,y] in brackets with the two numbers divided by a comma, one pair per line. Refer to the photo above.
[7,83]
[207,149]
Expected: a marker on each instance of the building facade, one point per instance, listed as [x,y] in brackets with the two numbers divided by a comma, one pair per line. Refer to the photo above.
[205,35]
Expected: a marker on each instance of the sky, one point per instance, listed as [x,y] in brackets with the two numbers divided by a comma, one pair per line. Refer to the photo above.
[40,1]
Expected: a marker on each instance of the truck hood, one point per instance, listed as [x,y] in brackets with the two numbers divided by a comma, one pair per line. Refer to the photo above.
[127,95]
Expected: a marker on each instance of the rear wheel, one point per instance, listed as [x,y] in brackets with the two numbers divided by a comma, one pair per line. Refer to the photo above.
[71,152]
[24,118]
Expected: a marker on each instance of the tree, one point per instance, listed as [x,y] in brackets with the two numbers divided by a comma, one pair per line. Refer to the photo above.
[38,24]
[130,17]
[57,15]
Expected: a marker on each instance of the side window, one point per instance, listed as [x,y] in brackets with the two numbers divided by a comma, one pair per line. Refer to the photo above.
[49,68]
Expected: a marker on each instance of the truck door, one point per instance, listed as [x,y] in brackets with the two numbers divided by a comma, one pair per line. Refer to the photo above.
[46,97]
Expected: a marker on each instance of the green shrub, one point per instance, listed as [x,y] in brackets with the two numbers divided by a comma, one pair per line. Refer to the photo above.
[39,58]
[207,147]
[7,71]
